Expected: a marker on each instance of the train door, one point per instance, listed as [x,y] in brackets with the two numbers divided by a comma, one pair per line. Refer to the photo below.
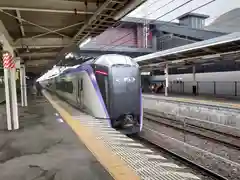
[80,92]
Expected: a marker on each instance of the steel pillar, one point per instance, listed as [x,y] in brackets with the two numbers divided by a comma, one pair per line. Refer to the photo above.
[194,87]
[166,80]
[23,85]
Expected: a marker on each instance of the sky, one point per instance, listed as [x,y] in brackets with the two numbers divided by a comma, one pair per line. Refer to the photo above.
[152,9]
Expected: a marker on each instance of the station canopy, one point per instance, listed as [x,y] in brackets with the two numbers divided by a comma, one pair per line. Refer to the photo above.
[199,52]
[39,29]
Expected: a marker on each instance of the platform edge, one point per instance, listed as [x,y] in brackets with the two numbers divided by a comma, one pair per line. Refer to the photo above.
[116,167]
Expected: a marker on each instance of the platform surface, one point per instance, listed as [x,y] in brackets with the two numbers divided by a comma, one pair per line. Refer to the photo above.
[45,148]
[205,100]
[123,157]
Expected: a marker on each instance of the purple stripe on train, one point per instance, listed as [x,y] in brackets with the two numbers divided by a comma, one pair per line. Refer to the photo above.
[141,110]
[91,74]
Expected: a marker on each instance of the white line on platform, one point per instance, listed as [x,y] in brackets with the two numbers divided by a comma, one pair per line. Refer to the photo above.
[142,150]
[122,139]
[155,156]
[186,175]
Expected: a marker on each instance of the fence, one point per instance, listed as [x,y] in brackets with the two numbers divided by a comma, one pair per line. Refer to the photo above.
[215,88]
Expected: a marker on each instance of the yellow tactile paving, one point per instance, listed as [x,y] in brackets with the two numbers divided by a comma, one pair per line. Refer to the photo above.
[118,169]
[234,105]
[217,101]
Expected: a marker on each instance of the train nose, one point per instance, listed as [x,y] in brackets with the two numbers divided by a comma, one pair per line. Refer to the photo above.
[128,120]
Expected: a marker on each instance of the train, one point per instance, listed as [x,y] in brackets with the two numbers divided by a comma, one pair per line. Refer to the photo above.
[225,84]
[107,87]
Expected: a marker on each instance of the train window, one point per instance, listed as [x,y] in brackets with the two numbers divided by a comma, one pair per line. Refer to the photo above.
[70,87]
[81,86]
[103,86]
[65,86]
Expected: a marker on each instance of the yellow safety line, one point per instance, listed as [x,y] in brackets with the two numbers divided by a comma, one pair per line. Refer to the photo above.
[118,169]
[207,101]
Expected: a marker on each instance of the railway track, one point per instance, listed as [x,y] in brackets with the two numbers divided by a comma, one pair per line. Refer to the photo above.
[151,162]
[215,148]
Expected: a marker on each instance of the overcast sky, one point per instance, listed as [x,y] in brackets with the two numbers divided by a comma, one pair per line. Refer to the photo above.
[149,9]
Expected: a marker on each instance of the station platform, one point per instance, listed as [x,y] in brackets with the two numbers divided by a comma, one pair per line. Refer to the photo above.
[201,100]
[45,148]
[57,141]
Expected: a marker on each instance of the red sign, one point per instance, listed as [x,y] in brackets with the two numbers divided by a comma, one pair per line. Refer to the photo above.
[8,61]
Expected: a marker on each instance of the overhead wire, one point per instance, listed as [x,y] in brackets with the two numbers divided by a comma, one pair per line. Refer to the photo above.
[146,15]
[165,23]
[157,17]
[153,3]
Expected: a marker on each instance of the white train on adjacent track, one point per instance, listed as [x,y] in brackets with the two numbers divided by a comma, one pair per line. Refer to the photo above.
[220,83]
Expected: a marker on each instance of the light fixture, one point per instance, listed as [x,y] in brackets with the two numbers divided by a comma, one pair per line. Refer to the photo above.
[211,56]
[207,64]
[69,55]
[85,42]
[182,68]
[145,73]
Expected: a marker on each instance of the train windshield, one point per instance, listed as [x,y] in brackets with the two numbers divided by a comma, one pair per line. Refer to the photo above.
[125,89]
[125,79]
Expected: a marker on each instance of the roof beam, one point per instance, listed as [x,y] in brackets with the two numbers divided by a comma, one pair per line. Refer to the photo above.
[38,55]
[40,62]
[93,17]
[20,22]
[29,22]
[48,6]
[4,31]
[57,30]
[41,42]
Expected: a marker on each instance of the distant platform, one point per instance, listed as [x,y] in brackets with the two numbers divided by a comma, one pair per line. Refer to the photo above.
[203,100]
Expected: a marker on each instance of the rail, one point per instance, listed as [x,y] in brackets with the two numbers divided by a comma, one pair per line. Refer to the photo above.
[215,147]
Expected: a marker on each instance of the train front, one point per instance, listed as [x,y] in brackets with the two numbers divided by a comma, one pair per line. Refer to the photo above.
[125,91]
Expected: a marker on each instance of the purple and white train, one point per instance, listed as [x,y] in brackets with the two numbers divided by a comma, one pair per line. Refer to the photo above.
[107,87]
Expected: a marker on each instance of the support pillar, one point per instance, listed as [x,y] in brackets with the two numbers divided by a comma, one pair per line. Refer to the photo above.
[10,92]
[8,98]
[145,34]
[166,80]
[23,85]
[14,98]
[10,84]
[194,87]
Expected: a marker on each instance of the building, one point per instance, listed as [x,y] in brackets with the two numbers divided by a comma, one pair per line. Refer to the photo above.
[138,34]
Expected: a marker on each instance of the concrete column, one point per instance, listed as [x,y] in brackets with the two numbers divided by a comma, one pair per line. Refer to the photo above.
[7,98]
[166,80]
[139,36]
[154,42]
[145,34]
[14,98]
[23,85]
[10,88]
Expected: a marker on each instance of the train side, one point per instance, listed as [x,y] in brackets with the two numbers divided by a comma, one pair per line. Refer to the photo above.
[222,83]
[107,88]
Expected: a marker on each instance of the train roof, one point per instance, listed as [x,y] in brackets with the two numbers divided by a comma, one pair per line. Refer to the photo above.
[112,59]
[105,60]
